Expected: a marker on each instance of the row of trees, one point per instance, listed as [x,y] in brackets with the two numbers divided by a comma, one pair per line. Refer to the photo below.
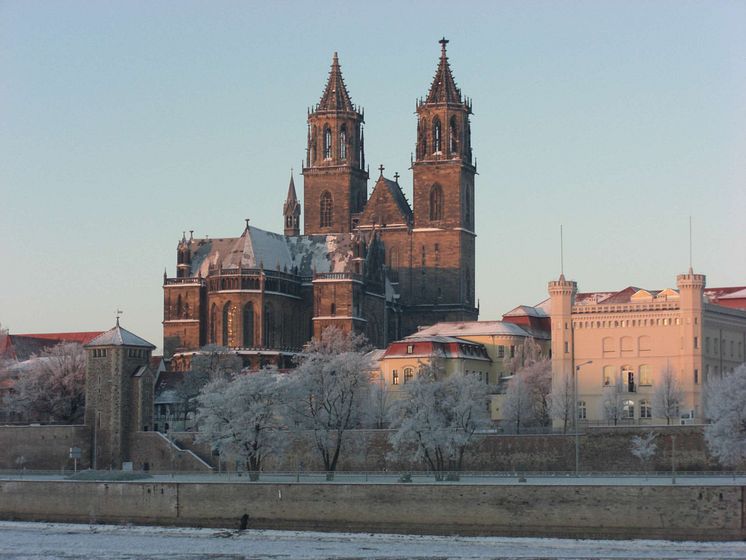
[532,400]
[249,416]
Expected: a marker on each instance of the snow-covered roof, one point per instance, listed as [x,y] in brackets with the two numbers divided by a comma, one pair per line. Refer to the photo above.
[257,248]
[119,336]
[471,328]
[526,311]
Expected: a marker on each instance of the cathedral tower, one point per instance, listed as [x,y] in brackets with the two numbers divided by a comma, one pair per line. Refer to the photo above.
[335,181]
[443,235]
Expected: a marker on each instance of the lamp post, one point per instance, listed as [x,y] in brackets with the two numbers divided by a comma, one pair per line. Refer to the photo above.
[577,413]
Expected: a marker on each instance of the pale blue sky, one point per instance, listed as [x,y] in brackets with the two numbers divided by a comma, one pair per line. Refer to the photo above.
[124,123]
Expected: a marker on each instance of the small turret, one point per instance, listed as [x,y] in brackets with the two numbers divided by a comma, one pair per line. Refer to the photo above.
[184,257]
[291,211]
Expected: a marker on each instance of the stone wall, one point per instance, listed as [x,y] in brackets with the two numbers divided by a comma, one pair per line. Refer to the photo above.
[602,449]
[42,447]
[158,453]
[672,512]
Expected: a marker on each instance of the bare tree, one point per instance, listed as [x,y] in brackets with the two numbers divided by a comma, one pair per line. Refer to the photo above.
[612,403]
[242,417]
[726,404]
[379,405]
[644,447]
[329,389]
[668,396]
[52,386]
[438,418]
[186,391]
[563,400]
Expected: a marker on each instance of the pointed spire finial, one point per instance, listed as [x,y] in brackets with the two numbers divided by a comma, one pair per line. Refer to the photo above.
[396,177]
[119,314]
[443,88]
[247,223]
[381,168]
[443,42]
[335,96]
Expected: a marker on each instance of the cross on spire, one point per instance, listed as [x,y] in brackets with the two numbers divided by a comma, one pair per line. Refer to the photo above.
[381,168]
[396,177]
[443,42]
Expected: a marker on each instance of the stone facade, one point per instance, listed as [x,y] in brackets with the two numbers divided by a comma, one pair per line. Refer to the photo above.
[377,266]
[621,343]
[119,394]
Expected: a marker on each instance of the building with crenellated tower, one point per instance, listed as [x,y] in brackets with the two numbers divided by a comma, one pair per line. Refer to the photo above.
[370,263]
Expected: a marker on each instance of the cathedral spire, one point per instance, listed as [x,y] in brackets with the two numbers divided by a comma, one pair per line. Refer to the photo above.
[335,97]
[291,210]
[443,88]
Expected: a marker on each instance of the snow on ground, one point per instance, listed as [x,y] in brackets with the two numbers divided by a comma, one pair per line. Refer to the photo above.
[525,479]
[42,541]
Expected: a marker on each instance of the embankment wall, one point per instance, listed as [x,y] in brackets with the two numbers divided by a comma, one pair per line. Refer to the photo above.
[671,512]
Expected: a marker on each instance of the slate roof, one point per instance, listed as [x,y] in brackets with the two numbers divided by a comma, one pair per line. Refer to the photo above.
[118,336]
[471,328]
[335,96]
[257,248]
[443,88]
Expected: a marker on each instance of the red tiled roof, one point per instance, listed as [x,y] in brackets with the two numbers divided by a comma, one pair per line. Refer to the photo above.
[80,337]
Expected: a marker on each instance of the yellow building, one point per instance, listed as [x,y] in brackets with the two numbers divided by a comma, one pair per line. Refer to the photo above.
[621,343]
[478,347]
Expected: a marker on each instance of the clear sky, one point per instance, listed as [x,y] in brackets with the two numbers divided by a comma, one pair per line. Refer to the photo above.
[124,123]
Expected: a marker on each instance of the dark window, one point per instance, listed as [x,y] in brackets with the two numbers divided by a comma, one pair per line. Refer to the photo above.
[227,326]
[327,143]
[343,143]
[436,136]
[248,325]
[453,136]
[436,202]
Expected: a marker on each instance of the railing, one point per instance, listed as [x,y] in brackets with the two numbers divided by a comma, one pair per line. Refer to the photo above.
[338,276]
[627,307]
[187,280]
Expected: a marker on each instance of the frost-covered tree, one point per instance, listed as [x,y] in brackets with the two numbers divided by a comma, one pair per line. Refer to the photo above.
[523,355]
[51,388]
[379,404]
[644,447]
[538,377]
[563,400]
[186,391]
[215,362]
[243,417]
[667,396]
[518,405]
[329,391]
[726,405]
[437,418]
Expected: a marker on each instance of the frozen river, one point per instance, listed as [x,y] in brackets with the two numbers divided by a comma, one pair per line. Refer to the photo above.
[37,541]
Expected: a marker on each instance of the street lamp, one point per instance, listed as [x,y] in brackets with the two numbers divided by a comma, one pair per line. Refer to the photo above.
[577,413]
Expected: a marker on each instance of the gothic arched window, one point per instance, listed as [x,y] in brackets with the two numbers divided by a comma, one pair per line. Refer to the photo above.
[436,202]
[343,143]
[436,136]
[325,210]
[423,137]
[248,325]
[269,325]
[227,324]
[327,142]
[179,307]
[453,136]
[213,324]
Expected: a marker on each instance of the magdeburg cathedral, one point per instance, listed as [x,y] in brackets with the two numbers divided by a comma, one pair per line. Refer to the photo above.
[375,264]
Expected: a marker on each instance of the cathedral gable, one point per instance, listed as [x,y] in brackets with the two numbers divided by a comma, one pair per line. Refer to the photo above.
[387,206]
